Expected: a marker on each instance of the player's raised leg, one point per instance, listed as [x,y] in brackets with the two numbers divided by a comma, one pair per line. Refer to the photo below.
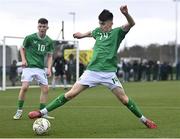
[21,99]
[120,94]
[59,101]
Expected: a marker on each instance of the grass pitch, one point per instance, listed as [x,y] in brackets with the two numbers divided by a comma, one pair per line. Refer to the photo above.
[96,113]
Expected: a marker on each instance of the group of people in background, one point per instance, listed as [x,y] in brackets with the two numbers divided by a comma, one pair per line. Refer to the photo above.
[148,71]
[64,71]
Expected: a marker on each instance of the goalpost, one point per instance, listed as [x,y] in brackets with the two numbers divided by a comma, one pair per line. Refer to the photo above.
[4,58]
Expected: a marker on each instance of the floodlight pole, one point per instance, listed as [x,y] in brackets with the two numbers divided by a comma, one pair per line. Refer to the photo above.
[176,31]
[62,30]
[4,65]
[74,17]
[77,46]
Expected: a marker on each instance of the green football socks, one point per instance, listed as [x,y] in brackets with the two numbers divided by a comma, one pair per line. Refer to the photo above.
[59,101]
[42,106]
[133,108]
[20,104]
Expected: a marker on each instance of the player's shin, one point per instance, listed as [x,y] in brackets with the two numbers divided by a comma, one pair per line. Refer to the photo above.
[20,104]
[59,101]
[134,108]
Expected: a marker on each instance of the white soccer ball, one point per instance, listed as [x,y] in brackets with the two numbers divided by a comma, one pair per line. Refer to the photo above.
[41,126]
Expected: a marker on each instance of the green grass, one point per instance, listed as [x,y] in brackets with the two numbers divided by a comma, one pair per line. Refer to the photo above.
[96,113]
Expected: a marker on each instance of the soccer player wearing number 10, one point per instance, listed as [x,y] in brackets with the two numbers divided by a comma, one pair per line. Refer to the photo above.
[102,67]
[33,52]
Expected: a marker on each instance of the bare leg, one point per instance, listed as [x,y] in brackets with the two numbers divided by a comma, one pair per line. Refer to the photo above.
[21,98]
[120,94]
[44,93]
[75,90]
[22,93]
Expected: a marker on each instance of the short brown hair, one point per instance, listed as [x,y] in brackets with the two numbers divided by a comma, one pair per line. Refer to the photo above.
[105,15]
[43,21]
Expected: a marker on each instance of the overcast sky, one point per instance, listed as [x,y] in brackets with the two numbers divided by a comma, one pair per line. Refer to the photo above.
[155,19]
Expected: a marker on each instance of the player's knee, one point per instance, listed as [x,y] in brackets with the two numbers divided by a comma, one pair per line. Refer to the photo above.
[24,88]
[45,89]
[124,100]
[70,95]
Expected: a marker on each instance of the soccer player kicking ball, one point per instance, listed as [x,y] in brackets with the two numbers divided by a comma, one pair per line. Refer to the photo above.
[33,52]
[102,67]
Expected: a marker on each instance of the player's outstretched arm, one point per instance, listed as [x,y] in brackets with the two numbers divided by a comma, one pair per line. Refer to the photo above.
[79,35]
[131,23]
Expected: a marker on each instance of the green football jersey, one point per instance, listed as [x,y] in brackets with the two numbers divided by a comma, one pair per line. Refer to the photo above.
[105,49]
[36,49]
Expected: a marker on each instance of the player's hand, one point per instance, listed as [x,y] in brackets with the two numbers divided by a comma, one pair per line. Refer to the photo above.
[124,9]
[77,35]
[24,63]
[49,73]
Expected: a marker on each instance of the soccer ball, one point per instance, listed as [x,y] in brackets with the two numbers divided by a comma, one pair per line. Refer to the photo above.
[41,126]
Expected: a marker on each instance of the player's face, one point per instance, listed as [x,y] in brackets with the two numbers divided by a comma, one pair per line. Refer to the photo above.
[42,28]
[106,26]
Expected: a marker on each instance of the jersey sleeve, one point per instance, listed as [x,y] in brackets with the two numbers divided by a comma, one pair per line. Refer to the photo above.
[94,33]
[122,33]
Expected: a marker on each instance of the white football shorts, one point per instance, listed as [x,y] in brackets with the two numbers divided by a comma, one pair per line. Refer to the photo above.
[28,74]
[94,78]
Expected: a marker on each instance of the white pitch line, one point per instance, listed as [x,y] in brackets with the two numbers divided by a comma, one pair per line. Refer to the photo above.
[36,86]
